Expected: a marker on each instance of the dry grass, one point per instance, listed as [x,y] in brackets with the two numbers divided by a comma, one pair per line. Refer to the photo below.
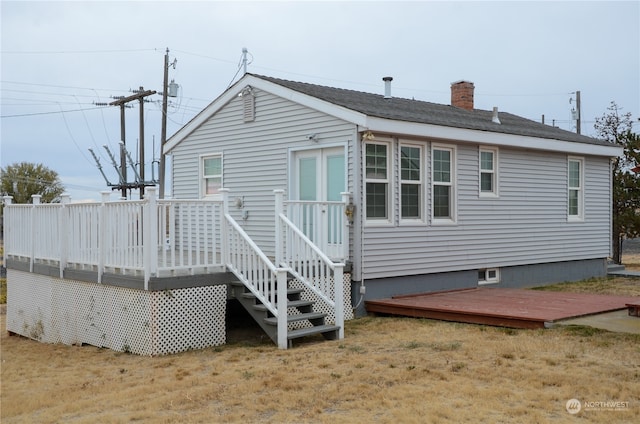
[631,261]
[388,370]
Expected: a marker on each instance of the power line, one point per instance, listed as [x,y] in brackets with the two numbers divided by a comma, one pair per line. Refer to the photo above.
[58,86]
[73,139]
[48,113]
[46,93]
[73,51]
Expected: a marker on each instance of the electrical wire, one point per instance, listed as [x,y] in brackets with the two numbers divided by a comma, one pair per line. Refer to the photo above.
[60,86]
[48,113]
[25,52]
[90,132]
[72,138]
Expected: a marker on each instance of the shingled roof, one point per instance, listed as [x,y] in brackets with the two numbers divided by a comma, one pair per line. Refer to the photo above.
[409,110]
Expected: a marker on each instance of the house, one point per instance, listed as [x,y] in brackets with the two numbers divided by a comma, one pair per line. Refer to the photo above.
[302,202]
[442,196]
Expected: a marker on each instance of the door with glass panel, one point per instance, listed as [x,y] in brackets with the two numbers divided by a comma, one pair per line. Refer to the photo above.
[319,180]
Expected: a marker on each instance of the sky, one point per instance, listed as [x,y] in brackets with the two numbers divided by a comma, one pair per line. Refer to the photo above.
[60,60]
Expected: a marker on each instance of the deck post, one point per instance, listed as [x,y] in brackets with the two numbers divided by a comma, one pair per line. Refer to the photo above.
[338,297]
[224,232]
[63,222]
[102,233]
[150,236]
[35,200]
[346,197]
[281,281]
[279,208]
[7,202]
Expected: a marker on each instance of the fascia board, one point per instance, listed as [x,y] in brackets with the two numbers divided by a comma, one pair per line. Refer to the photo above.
[488,138]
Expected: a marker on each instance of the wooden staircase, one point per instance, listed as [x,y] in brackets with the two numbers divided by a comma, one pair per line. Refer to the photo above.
[298,310]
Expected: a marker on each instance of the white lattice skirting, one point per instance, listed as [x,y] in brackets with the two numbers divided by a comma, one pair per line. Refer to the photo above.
[52,310]
[321,306]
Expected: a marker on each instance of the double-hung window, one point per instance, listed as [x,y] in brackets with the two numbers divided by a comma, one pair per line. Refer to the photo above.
[377,181]
[575,193]
[488,172]
[443,193]
[410,182]
[211,166]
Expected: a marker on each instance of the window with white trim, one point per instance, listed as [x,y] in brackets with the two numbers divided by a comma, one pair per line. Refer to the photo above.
[377,181]
[488,169]
[410,182]
[443,193]
[575,195]
[211,167]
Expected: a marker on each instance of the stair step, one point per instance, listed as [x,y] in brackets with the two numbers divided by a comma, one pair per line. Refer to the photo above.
[290,304]
[298,317]
[319,329]
[249,295]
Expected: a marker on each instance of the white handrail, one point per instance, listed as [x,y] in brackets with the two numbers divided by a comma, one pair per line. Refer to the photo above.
[308,263]
[247,261]
[325,223]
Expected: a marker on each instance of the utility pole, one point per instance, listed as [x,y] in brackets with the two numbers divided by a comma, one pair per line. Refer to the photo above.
[123,161]
[579,112]
[141,169]
[576,114]
[163,132]
[140,95]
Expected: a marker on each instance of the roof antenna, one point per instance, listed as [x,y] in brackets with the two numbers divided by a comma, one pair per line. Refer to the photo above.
[244,59]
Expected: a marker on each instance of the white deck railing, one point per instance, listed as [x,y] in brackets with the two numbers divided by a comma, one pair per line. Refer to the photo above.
[307,262]
[325,224]
[149,237]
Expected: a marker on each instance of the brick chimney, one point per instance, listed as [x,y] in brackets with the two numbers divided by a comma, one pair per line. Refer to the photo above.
[462,94]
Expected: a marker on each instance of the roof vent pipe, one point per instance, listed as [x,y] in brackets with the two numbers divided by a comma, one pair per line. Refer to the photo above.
[495,118]
[387,87]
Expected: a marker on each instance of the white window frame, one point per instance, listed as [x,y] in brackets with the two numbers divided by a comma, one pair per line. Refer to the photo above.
[493,172]
[203,178]
[387,181]
[489,280]
[579,217]
[419,183]
[453,207]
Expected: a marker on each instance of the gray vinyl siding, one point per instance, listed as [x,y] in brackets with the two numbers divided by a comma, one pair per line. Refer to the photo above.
[256,155]
[526,224]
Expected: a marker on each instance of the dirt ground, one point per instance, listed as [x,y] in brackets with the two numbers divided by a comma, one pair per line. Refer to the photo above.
[387,370]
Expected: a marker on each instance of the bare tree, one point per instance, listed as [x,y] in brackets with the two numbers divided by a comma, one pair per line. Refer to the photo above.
[615,127]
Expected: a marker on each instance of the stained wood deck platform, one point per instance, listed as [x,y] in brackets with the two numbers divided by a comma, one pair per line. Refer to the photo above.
[515,308]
